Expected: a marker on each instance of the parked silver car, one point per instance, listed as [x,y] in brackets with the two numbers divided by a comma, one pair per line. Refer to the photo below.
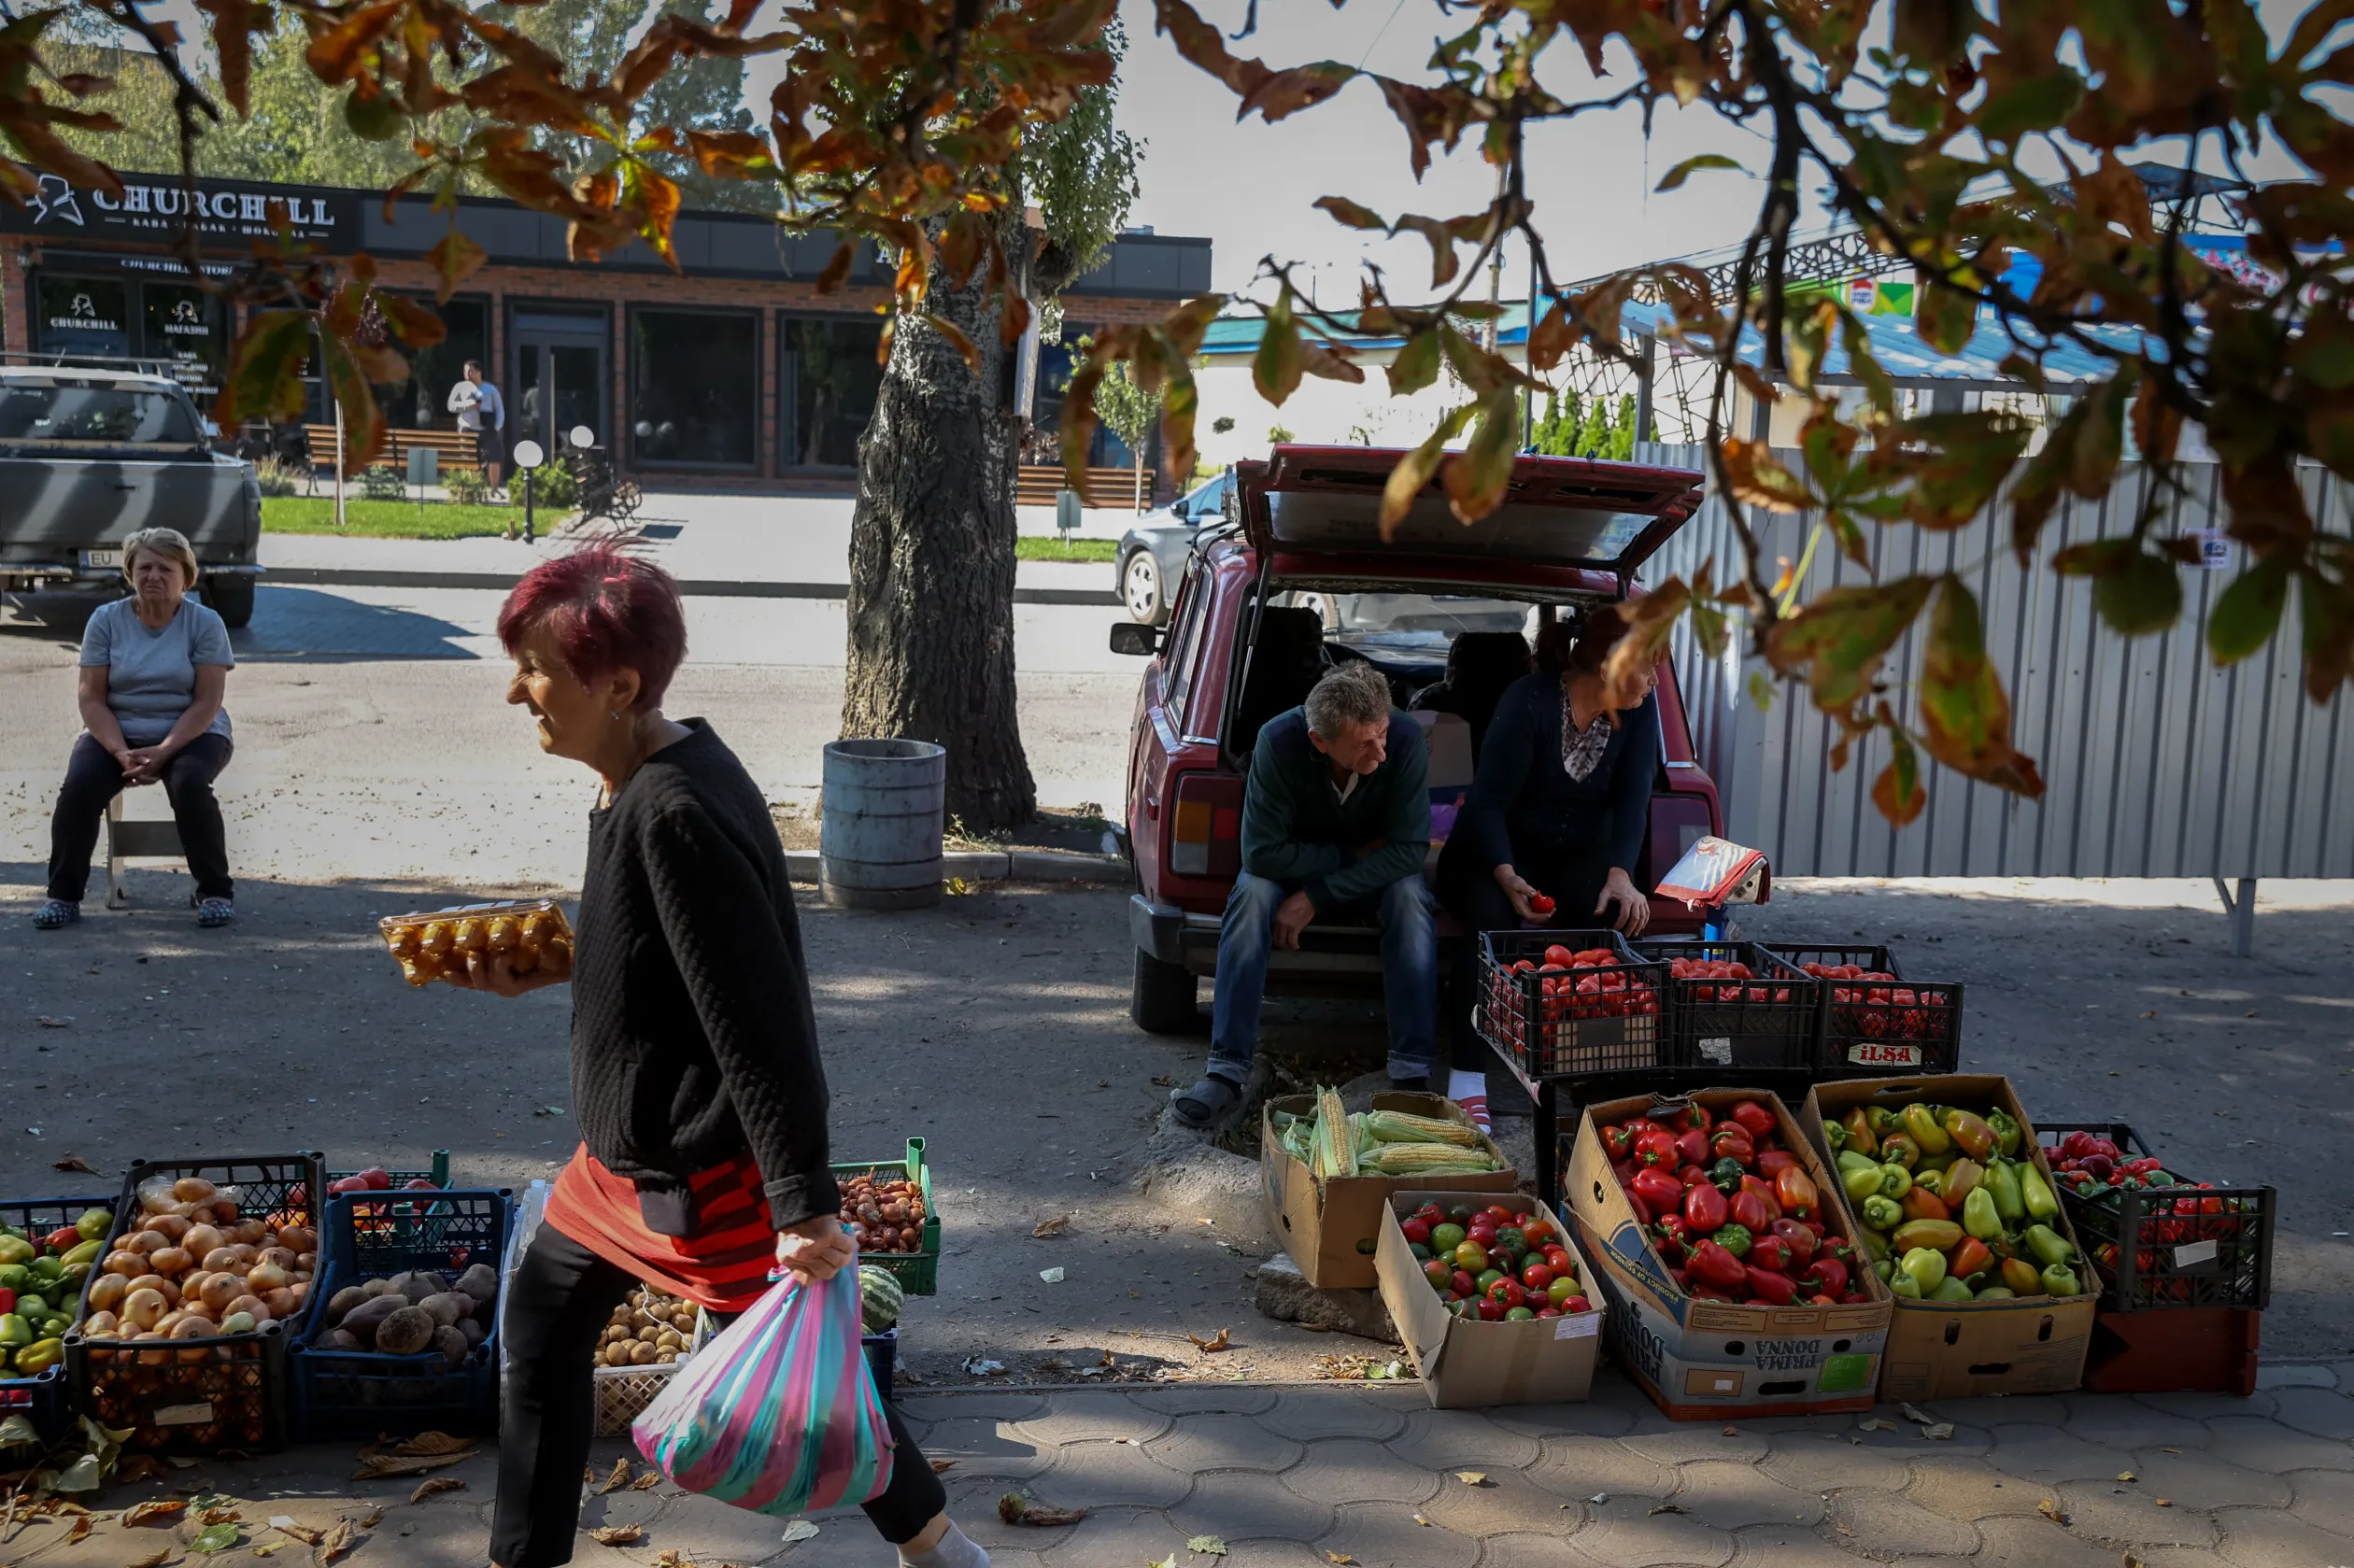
[1152,555]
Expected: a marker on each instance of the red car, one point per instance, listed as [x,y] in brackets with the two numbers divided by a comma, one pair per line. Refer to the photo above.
[1295,579]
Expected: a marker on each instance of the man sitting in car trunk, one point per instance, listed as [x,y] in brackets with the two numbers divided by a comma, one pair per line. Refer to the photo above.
[1336,814]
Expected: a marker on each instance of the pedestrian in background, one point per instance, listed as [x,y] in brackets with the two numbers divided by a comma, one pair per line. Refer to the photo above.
[482,413]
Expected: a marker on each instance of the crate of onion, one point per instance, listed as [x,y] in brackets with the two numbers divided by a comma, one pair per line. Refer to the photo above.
[206,1278]
[887,1209]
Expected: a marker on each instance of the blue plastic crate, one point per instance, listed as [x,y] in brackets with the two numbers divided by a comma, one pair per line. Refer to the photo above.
[881,1354]
[43,1398]
[360,1393]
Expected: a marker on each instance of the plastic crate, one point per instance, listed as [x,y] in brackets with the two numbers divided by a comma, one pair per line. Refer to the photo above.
[201,1395]
[2154,1258]
[42,1398]
[2202,1349]
[1571,1036]
[438,1176]
[623,1392]
[361,1393]
[1871,1036]
[917,1272]
[881,1354]
[1769,1023]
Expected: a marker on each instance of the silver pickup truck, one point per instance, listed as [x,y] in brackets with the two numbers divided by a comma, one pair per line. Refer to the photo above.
[89,456]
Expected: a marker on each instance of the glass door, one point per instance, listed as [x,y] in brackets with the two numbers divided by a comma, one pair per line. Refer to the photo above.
[560,378]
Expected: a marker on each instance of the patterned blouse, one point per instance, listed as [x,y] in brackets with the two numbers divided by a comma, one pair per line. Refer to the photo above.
[1582,749]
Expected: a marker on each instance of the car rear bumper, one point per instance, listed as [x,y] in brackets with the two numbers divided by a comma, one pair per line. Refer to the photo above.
[18,574]
[1182,937]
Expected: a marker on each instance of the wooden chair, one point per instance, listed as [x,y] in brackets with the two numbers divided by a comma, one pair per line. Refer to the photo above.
[141,839]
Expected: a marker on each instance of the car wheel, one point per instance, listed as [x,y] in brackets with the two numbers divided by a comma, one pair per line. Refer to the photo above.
[230,598]
[1141,589]
[1161,996]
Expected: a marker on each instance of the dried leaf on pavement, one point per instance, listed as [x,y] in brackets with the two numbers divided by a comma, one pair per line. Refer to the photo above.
[160,1511]
[433,1442]
[1014,1508]
[1216,1342]
[1209,1545]
[337,1542]
[617,1535]
[1054,1226]
[1942,1432]
[2052,1511]
[80,1528]
[647,1482]
[75,1163]
[304,1534]
[375,1464]
[940,1464]
[370,1520]
[1670,1508]
[1472,1477]
[435,1487]
[1913,1415]
[799,1530]
[616,1481]
[221,1516]
[1342,1558]
[152,1560]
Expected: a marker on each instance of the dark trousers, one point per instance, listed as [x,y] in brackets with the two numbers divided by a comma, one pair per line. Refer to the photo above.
[93,777]
[1573,881]
[558,1307]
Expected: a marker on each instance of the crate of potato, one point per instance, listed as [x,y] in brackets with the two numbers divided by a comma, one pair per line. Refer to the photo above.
[406,1338]
[648,1336]
[887,1209]
[206,1278]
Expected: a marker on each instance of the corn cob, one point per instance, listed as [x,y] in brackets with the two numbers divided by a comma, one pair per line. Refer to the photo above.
[1405,1159]
[1398,1126]
[1336,1154]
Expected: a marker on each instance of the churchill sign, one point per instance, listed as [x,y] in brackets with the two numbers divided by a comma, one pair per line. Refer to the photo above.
[153,207]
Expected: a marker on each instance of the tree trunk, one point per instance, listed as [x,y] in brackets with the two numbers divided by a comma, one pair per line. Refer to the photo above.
[932,563]
[1139,478]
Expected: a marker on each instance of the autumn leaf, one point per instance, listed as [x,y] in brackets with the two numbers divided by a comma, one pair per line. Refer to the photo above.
[1650,620]
[455,258]
[1275,369]
[373,1465]
[1414,472]
[1206,1546]
[440,1484]
[2247,612]
[647,1482]
[1350,213]
[152,1560]
[1965,714]
[162,1510]
[617,1535]
[1213,1344]
[267,369]
[1675,177]
[1759,480]
[1055,1226]
[614,1482]
[74,1164]
[1014,1508]
[1476,477]
[1897,792]
[1841,635]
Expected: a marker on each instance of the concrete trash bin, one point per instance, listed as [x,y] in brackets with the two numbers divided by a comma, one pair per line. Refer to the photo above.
[878,836]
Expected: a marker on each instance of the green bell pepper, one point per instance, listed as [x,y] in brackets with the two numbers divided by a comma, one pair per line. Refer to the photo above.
[1925,1264]
[2036,1192]
[2006,1132]
[2052,1249]
[1904,1284]
[15,1249]
[14,1330]
[47,1271]
[1929,1180]
[15,1276]
[1951,1288]
[1725,1176]
[94,1224]
[2002,1179]
[1939,1162]
[1882,1213]
[1836,1136]
[1851,1159]
[30,1308]
[1860,1181]
[2061,1281]
[1899,1150]
[1998,1292]
[1896,1181]
[87,1253]
[1882,1269]
[1979,1216]
[1922,1127]
[39,1356]
[1734,1240]
[1874,1246]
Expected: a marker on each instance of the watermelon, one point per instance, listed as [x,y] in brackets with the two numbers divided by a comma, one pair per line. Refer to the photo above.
[879,1298]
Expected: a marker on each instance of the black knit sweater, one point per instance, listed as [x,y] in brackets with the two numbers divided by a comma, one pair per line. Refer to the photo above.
[693,1039]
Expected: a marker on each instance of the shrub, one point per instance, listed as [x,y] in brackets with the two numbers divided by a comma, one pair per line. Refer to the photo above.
[277,478]
[468,487]
[382,483]
[554,484]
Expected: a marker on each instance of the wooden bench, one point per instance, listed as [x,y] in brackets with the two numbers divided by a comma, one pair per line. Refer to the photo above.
[1107,487]
[456,447]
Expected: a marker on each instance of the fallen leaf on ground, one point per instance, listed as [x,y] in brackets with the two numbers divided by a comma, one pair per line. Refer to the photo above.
[433,1442]
[1873,1423]
[799,1530]
[1215,1342]
[46,1021]
[617,1535]
[2124,1475]
[1163,1082]
[301,1532]
[1424,1522]
[373,1465]
[220,1516]
[370,1520]
[435,1487]
[2133,1561]
[152,1560]
[1343,1559]
[75,1163]
[218,1538]
[1054,1226]
[1668,1508]
[337,1542]
[647,1482]
[80,1528]
[2166,1502]
[1913,1415]
[1472,1477]
[1941,1432]
[1169,1561]
[1052,1275]
[940,1464]
[1732,1431]
[619,1478]
[1014,1508]
[2052,1511]
[1210,1546]
[160,1511]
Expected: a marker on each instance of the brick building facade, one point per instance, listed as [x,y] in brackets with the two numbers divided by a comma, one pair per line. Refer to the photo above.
[739,372]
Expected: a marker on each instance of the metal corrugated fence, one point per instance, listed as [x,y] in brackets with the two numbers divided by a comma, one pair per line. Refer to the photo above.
[2157,764]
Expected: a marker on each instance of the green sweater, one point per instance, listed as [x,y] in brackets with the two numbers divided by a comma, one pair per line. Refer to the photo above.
[1297,830]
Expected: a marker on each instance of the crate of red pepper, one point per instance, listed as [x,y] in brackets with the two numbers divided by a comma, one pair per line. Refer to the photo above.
[2161,1239]
[1872,1021]
[1567,1004]
[1736,1005]
[1729,1206]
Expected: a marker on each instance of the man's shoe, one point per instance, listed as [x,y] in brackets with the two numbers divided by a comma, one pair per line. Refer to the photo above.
[1208,1103]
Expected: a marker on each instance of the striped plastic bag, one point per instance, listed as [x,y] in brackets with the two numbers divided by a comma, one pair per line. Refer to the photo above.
[779,1413]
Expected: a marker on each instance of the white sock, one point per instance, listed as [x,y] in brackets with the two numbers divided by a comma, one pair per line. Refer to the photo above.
[951,1550]
[1470,1090]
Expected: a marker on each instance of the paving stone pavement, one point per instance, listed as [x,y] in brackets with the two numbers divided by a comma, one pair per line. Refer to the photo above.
[1298,1475]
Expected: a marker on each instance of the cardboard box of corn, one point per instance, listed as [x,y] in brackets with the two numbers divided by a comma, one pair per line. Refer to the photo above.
[1326,1175]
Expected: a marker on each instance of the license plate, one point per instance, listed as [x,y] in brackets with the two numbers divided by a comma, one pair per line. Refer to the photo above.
[102,558]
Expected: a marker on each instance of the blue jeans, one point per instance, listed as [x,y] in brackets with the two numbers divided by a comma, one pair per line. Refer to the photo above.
[1409,974]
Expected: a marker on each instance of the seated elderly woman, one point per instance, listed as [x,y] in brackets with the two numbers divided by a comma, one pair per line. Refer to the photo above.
[154,668]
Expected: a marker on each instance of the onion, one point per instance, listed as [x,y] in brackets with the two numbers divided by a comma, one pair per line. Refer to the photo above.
[192,1189]
[170,1259]
[252,1305]
[282,1302]
[124,1264]
[279,1256]
[239,1323]
[144,1309]
[247,1253]
[144,1242]
[220,1289]
[252,1233]
[171,1228]
[298,1239]
[261,1278]
[222,1260]
[106,1292]
[100,1322]
[203,1239]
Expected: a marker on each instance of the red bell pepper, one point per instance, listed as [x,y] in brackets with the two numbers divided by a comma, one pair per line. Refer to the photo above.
[1855,1298]
[1682,1279]
[1689,1118]
[1770,1252]
[1714,1267]
[1775,1290]
[1795,1190]
[1725,1296]
[1756,1118]
[1656,1148]
[1765,1191]
[1824,1277]
[1704,1208]
[1692,1147]
[1619,1141]
[1747,1209]
[1803,1241]
[1658,1189]
[1672,1236]
[7,1301]
[63,1240]
[1728,1141]
[1643,1210]
[1920,1203]
[1773,1162]
[1690,1174]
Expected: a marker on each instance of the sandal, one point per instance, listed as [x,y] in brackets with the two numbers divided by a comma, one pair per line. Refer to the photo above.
[213,912]
[54,914]
[1207,1103]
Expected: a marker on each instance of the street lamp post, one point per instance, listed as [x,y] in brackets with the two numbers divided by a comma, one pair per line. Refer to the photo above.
[528,456]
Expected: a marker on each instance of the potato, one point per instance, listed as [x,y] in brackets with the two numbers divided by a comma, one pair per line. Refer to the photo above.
[340,1340]
[342,1301]
[473,1332]
[617,1335]
[481,1282]
[404,1331]
[417,1287]
[378,1288]
[618,1355]
[446,1309]
[453,1346]
[648,1335]
[643,1354]
[363,1319]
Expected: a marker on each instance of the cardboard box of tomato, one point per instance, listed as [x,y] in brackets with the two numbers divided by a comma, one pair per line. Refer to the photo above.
[1332,1228]
[1797,1334]
[1496,1346]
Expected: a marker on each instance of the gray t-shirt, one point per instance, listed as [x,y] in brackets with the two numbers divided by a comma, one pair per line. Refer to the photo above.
[151,676]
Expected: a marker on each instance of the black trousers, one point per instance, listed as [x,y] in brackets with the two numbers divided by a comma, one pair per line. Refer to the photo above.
[1574,883]
[560,1300]
[93,777]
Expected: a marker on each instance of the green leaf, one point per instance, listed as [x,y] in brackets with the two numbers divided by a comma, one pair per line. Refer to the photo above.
[1210,1546]
[1761,691]
[1965,714]
[265,369]
[2100,437]
[2248,613]
[1690,167]
[1417,364]
[2136,593]
[1897,791]
[1475,479]
[1276,371]
[1841,636]
[218,1538]
[2034,103]
[1413,471]
[1947,317]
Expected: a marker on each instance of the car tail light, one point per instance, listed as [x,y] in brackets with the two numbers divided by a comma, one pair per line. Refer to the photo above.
[1205,831]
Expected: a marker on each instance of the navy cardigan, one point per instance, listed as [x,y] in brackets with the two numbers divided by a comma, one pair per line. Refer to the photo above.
[1526,809]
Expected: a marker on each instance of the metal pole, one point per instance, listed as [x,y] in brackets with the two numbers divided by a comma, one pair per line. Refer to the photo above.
[1528,334]
[526,504]
[339,459]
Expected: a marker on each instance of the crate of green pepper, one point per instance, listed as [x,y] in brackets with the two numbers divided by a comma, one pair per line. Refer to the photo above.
[48,1246]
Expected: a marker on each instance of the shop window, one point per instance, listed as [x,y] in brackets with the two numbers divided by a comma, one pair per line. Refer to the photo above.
[83,316]
[826,385]
[1055,362]
[421,402]
[183,326]
[694,389]
[105,317]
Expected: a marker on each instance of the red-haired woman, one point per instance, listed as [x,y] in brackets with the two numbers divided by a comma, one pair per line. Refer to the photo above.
[695,1068]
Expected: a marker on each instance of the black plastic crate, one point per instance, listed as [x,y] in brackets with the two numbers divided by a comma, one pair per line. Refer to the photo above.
[1766,1021]
[201,1395]
[881,1354]
[1564,1033]
[359,1394]
[2152,1253]
[1874,1028]
[41,1398]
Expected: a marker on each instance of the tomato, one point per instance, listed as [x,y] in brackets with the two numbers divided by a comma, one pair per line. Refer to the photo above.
[1558,954]
[1535,1276]
[1509,1293]
[1416,1229]
[1439,1272]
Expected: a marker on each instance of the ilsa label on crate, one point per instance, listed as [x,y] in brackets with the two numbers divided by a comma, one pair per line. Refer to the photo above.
[1880,1053]
[1578,1325]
